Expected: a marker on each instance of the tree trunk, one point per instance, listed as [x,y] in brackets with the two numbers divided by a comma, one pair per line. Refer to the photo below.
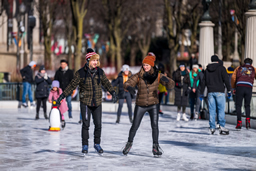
[70,62]
[79,44]
[134,49]
[112,52]
[47,52]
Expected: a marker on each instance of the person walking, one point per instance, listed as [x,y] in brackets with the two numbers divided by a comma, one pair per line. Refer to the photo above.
[195,93]
[147,81]
[27,80]
[90,78]
[123,76]
[242,80]
[64,75]
[215,77]
[192,61]
[42,90]
[162,91]
[182,89]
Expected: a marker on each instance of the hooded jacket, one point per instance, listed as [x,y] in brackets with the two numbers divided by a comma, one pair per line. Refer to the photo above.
[119,82]
[27,74]
[215,78]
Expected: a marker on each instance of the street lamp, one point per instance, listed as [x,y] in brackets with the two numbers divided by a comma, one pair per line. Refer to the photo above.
[206,16]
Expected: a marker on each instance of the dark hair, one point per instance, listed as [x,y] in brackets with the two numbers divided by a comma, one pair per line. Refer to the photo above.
[63,60]
[248,60]
[58,90]
[199,65]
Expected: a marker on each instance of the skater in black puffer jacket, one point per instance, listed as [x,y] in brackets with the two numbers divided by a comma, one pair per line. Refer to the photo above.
[181,78]
[42,90]
[123,76]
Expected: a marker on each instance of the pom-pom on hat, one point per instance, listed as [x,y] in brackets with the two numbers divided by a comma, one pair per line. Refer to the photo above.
[149,60]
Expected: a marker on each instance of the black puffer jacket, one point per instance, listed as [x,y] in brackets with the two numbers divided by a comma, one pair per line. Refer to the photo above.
[120,83]
[181,90]
[42,86]
[27,74]
[64,77]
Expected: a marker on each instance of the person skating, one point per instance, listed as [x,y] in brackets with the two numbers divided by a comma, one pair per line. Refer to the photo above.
[242,80]
[27,80]
[182,82]
[55,93]
[195,93]
[90,78]
[147,81]
[161,89]
[42,90]
[64,75]
[215,77]
[123,76]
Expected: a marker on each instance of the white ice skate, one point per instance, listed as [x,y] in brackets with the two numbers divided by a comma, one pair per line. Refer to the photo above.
[178,117]
[184,117]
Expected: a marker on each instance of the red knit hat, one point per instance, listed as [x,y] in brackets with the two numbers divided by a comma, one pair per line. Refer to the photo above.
[149,60]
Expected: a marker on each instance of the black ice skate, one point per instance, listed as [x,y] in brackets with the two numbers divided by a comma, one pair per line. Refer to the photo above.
[223,131]
[98,149]
[212,131]
[157,151]
[127,148]
[63,124]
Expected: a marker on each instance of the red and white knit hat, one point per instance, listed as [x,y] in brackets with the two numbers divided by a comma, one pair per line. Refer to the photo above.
[89,55]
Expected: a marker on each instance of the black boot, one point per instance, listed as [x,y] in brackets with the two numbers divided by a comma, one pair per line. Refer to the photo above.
[118,119]
[157,150]
[45,116]
[127,148]
[131,119]
[37,116]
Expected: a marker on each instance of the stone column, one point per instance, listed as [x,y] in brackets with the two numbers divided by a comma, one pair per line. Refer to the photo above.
[250,38]
[206,44]
[236,62]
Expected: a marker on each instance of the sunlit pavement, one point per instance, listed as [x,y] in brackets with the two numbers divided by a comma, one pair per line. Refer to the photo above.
[26,144]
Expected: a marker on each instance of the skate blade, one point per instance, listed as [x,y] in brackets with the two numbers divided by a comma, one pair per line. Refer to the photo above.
[224,133]
[100,154]
[157,156]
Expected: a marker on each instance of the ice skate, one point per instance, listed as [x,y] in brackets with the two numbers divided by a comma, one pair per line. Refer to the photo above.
[118,119]
[161,112]
[157,151]
[184,117]
[212,131]
[127,148]
[130,118]
[223,131]
[248,123]
[217,126]
[32,104]
[63,124]
[178,117]
[37,116]
[98,149]
[24,105]
[196,116]
[239,125]
[85,149]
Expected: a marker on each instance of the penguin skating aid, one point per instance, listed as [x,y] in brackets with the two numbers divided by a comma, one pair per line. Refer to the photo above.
[55,118]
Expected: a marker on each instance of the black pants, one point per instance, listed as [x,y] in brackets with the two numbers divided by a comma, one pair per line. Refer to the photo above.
[138,115]
[38,104]
[246,94]
[128,98]
[96,113]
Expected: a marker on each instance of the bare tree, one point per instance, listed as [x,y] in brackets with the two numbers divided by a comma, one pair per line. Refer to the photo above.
[79,9]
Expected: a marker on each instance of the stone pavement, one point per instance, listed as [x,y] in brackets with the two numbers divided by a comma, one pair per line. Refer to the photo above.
[25,144]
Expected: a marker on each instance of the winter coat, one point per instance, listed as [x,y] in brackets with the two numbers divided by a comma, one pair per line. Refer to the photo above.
[241,78]
[197,83]
[90,90]
[215,77]
[54,95]
[119,81]
[42,86]
[27,74]
[181,89]
[64,77]
[147,86]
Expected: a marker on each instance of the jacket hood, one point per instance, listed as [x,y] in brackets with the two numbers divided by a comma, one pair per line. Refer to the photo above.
[213,67]
[122,73]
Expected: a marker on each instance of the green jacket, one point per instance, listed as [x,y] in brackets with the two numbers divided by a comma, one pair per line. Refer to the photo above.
[90,90]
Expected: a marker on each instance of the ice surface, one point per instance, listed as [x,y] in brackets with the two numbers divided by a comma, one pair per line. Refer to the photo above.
[25,144]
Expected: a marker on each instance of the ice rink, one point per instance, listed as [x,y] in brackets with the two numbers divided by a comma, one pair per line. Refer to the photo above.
[26,144]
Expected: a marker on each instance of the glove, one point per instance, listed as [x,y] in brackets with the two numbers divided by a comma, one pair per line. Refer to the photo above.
[58,101]
[178,85]
[229,95]
[131,90]
[166,93]
[45,76]
[114,96]
[164,79]
[201,97]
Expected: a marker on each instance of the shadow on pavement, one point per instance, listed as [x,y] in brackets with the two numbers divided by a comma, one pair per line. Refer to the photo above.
[235,151]
[188,132]
[31,119]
